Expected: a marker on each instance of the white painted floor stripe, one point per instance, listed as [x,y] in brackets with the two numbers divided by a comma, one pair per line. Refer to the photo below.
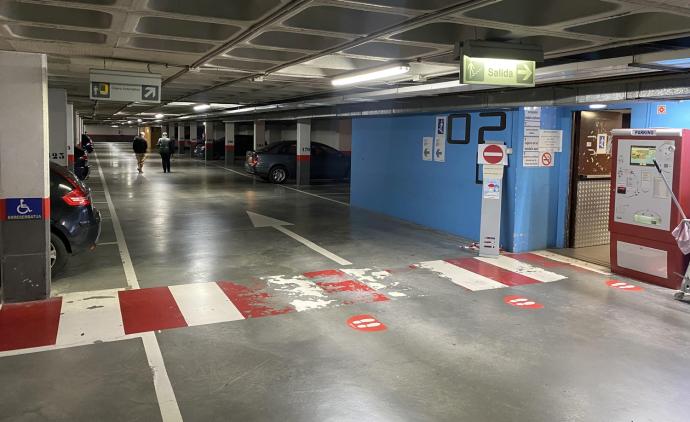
[313,246]
[204,303]
[87,317]
[519,267]
[461,276]
[575,262]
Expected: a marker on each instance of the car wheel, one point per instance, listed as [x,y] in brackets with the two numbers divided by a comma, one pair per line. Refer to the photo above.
[58,254]
[278,175]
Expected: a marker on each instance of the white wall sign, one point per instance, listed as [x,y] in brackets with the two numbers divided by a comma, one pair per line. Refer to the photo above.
[428,148]
[551,140]
[111,85]
[440,139]
[532,134]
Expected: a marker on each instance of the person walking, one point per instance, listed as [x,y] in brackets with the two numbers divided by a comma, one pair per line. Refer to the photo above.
[139,145]
[165,150]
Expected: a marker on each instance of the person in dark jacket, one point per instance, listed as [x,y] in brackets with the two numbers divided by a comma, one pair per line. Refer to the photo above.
[139,145]
[165,149]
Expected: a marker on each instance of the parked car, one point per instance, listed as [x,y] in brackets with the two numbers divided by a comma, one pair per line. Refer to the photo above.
[81,163]
[86,143]
[75,224]
[278,162]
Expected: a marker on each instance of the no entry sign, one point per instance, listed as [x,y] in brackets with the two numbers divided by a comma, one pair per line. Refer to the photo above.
[492,154]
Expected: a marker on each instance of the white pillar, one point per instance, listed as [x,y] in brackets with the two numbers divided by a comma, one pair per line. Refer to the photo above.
[192,137]
[182,141]
[24,177]
[259,134]
[69,141]
[229,144]
[57,106]
[303,152]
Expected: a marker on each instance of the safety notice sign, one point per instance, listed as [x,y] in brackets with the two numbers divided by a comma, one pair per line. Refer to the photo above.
[532,134]
[546,159]
[440,139]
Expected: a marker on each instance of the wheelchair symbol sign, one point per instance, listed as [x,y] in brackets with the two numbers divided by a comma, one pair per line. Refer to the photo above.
[24,208]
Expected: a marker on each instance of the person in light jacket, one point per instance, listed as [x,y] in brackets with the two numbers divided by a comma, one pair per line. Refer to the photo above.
[165,147]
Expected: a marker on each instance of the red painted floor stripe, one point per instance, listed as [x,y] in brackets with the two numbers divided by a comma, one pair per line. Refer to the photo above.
[149,310]
[358,292]
[251,302]
[325,273]
[30,324]
[541,261]
[493,272]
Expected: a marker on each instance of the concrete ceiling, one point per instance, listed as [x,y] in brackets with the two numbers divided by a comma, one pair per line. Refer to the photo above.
[211,51]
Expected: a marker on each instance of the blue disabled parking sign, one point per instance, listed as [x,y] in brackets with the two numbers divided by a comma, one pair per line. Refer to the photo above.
[24,208]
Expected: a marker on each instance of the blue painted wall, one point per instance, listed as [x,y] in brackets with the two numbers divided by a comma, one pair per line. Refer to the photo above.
[389,176]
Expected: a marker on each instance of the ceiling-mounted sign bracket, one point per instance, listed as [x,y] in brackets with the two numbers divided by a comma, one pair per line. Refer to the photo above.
[498,63]
[113,85]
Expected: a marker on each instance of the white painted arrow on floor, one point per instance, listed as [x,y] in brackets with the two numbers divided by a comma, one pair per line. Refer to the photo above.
[259,220]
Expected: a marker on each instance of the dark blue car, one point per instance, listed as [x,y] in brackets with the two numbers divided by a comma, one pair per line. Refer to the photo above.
[278,162]
[74,223]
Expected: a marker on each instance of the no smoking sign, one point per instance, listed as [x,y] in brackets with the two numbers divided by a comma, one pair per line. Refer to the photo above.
[546,159]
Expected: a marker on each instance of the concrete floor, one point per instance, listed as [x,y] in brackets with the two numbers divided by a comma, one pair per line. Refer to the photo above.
[593,353]
[600,254]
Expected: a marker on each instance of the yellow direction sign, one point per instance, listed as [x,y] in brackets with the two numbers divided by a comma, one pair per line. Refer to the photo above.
[503,72]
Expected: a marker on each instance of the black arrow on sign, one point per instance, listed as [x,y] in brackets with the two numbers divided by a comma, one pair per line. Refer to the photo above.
[426,152]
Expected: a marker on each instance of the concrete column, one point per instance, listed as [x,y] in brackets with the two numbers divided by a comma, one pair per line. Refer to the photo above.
[24,177]
[303,151]
[229,144]
[57,123]
[209,136]
[181,138]
[259,134]
[69,147]
[192,137]
[345,136]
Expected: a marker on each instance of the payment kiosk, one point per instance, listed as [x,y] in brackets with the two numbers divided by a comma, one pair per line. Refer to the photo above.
[642,214]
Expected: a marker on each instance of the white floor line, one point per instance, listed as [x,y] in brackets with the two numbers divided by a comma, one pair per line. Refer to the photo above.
[518,267]
[106,243]
[313,246]
[167,402]
[287,187]
[461,276]
[575,262]
[204,303]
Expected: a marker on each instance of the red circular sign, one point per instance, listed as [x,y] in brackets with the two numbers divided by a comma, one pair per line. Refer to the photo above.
[365,323]
[522,302]
[623,286]
[546,158]
[493,154]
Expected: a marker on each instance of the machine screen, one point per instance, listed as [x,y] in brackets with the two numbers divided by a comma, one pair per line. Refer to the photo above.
[642,156]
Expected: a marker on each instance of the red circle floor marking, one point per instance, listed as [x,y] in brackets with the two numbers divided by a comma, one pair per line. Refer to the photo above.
[522,302]
[366,323]
[624,286]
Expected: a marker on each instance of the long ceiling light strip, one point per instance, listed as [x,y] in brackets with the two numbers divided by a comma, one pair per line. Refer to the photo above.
[371,76]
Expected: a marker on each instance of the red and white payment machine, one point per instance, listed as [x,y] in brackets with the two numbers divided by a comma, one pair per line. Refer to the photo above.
[642,214]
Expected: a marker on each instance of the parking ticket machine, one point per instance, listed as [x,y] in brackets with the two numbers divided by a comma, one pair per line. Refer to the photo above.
[642,214]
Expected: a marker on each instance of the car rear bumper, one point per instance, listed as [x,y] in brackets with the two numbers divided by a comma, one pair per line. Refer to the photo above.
[86,234]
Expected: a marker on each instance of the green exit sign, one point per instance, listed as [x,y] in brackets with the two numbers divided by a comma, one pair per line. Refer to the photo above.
[503,72]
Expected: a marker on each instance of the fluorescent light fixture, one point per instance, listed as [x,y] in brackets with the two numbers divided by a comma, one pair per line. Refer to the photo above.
[129,122]
[179,104]
[375,74]
[114,126]
[139,120]
[201,107]
[597,106]
[159,116]
[157,120]
[222,105]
